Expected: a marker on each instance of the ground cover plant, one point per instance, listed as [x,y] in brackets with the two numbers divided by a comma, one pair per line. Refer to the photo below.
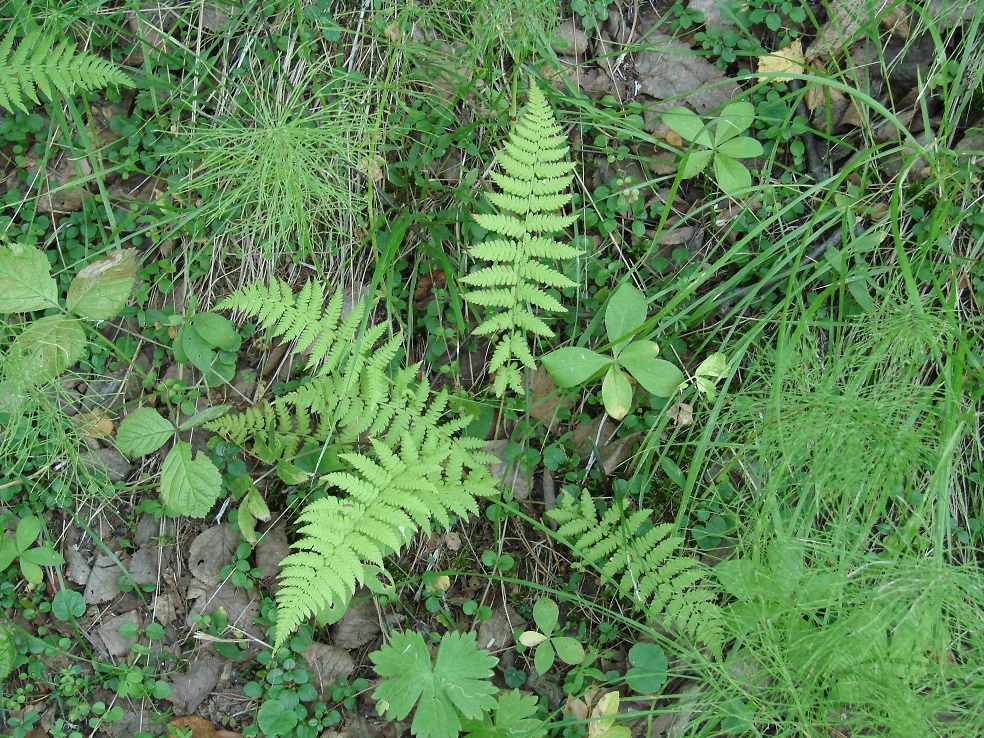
[491,369]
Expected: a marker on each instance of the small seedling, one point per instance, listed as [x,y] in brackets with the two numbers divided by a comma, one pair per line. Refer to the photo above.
[624,319]
[548,645]
[21,548]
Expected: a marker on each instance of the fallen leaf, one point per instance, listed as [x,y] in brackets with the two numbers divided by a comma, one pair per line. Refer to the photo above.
[200,727]
[240,605]
[327,664]
[545,399]
[116,644]
[426,285]
[452,540]
[359,625]
[189,690]
[77,570]
[212,550]
[788,59]
[271,550]
[103,583]
[681,413]
[613,455]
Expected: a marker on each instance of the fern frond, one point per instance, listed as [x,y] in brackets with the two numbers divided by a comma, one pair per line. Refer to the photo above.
[38,63]
[399,466]
[640,560]
[534,182]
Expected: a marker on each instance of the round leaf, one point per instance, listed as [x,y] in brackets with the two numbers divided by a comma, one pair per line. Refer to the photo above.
[545,615]
[25,280]
[568,649]
[648,672]
[189,486]
[68,604]
[276,718]
[656,376]
[102,290]
[143,431]
[616,393]
[626,311]
[572,366]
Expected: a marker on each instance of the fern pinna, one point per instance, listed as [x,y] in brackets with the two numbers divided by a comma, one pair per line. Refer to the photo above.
[38,63]
[638,558]
[534,184]
[378,441]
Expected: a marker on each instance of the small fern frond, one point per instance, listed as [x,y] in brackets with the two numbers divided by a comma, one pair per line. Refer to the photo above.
[640,560]
[534,181]
[40,64]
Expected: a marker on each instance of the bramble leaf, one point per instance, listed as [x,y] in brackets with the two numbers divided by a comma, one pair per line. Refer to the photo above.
[142,432]
[189,486]
[25,280]
[102,290]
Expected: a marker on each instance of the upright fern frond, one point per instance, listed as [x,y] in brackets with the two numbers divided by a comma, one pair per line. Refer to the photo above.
[534,184]
[397,465]
[638,558]
[39,64]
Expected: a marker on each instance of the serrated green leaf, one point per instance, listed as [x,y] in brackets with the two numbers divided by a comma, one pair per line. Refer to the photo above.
[290,473]
[688,125]
[732,176]
[8,652]
[656,376]
[458,681]
[189,486]
[626,311]
[256,504]
[102,290]
[204,416]
[143,432]
[616,393]
[45,349]
[26,283]
[574,365]
[246,523]
[545,615]
[512,719]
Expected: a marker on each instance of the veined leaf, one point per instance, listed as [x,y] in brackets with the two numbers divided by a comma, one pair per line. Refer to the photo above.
[102,290]
[688,125]
[45,349]
[694,162]
[740,148]
[189,486]
[143,431]
[732,176]
[26,283]
[734,120]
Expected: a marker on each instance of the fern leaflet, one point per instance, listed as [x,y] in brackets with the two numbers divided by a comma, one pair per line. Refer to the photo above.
[638,559]
[379,442]
[40,64]
[534,184]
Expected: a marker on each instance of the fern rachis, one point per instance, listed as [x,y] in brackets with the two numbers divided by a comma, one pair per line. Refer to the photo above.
[534,181]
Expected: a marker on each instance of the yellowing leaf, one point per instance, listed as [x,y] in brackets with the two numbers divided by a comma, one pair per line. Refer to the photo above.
[602,724]
[789,59]
[101,290]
